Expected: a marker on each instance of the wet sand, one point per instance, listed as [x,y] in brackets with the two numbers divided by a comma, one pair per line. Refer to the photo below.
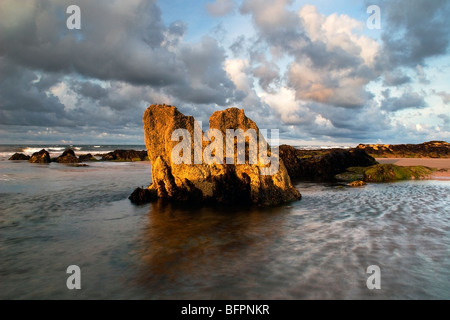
[443,165]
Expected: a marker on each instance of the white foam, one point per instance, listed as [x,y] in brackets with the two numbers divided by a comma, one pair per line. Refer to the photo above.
[6,155]
[29,151]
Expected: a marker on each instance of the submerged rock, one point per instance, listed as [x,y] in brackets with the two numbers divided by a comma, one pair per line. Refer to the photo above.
[209,182]
[68,156]
[19,156]
[322,164]
[40,157]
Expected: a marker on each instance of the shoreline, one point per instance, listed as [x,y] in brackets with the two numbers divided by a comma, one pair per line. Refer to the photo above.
[442,165]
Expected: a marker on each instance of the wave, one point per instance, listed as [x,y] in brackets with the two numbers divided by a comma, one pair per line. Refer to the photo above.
[30,151]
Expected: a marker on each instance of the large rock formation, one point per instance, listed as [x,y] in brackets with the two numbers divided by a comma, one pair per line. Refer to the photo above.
[322,165]
[40,157]
[206,181]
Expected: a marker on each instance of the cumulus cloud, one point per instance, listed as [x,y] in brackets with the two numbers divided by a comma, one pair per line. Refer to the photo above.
[332,63]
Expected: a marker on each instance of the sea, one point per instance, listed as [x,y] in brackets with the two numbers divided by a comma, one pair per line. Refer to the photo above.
[53,216]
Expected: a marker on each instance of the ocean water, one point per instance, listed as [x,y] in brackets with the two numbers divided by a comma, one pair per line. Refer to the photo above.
[53,216]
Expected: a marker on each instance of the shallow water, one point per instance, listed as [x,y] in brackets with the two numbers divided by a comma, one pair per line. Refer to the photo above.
[53,216]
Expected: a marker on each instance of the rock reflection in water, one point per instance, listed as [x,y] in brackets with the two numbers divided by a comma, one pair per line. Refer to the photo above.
[205,246]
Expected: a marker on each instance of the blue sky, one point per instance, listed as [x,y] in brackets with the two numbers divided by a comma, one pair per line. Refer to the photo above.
[311,69]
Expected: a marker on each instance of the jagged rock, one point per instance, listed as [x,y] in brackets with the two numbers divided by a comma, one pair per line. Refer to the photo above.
[301,165]
[86,157]
[68,156]
[40,157]
[432,149]
[125,155]
[19,156]
[209,182]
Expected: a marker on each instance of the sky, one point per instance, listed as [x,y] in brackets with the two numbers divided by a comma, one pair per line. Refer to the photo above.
[314,70]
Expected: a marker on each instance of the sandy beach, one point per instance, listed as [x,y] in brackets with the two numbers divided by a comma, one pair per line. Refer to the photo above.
[443,165]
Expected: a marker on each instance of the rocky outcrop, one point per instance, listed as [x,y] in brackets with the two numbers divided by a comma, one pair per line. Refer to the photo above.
[200,181]
[432,149]
[68,156]
[125,155]
[86,158]
[322,165]
[40,157]
[19,156]
[385,173]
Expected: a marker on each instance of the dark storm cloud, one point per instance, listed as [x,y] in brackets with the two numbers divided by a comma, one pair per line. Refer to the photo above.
[414,30]
[121,42]
[266,73]
[89,89]
[126,41]
[123,59]
[23,102]
[409,100]
[205,79]
[335,59]
[395,78]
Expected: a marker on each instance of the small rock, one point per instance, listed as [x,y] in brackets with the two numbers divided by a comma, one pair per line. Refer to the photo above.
[141,196]
[19,156]
[357,184]
[87,157]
